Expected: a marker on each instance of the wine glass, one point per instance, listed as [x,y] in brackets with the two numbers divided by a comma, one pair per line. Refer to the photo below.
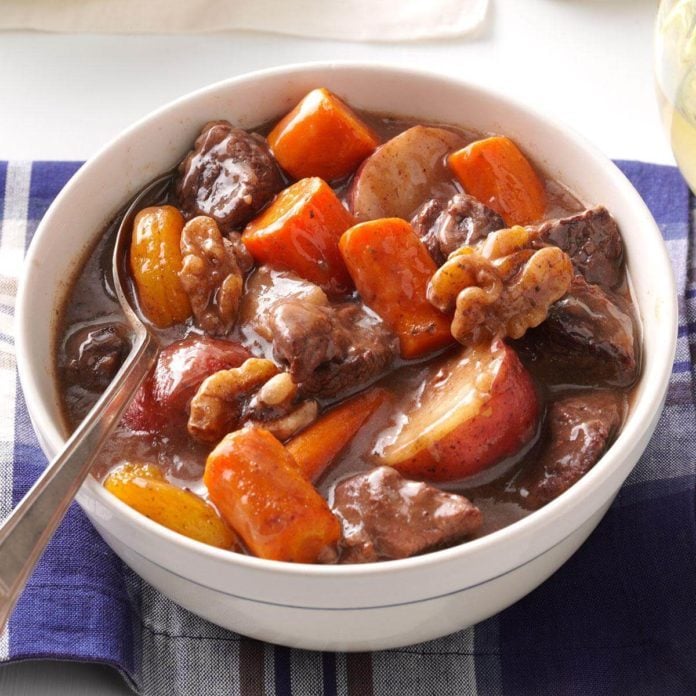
[675,72]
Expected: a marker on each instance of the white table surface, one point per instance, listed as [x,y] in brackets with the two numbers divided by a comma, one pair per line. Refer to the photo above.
[586,62]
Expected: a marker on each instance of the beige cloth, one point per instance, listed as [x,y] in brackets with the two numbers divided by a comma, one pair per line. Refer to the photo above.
[351,20]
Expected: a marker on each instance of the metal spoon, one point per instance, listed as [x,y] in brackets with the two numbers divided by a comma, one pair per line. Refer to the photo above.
[27,530]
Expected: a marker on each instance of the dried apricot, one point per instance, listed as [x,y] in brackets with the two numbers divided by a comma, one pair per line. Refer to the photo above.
[155,259]
[144,488]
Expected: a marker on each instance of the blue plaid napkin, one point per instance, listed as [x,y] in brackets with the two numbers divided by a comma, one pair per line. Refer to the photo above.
[618,618]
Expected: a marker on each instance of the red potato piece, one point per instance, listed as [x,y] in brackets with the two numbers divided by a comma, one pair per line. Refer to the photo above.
[161,403]
[403,173]
[479,407]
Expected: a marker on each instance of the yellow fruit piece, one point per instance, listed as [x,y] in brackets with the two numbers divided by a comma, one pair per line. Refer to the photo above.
[144,488]
[155,259]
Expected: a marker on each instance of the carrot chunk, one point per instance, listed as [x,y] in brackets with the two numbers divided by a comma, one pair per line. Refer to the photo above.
[495,171]
[317,446]
[321,137]
[299,231]
[260,492]
[391,267]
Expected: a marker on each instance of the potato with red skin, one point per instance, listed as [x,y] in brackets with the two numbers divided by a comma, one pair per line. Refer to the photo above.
[402,174]
[477,408]
[161,403]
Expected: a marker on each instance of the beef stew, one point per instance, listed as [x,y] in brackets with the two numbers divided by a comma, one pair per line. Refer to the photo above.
[382,337]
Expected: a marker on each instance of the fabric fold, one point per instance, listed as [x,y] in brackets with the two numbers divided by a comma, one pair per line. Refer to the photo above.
[348,20]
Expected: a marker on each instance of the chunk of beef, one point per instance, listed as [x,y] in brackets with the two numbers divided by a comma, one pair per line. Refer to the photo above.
[229,175]
[590,338]
[590,321]
[424,225]
[579,428]
[265,288]
[384,516]
[444,226]
[330,349]
[593,242]
[304,337]
[94,354]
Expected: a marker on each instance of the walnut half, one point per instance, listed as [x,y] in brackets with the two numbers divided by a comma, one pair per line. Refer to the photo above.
[254,393]
[500,287]
[210,275]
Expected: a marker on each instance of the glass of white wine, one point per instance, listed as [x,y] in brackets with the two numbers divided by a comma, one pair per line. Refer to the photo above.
[675,71]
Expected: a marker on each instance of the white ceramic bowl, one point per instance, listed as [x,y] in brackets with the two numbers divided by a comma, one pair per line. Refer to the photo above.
[361,607]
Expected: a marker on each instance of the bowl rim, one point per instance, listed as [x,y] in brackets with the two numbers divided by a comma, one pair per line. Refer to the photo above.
[642,416]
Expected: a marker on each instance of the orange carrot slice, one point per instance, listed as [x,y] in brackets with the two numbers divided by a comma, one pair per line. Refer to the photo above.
[317,446]
[321,137]
[260,492]
[391,267]
[300,231]
[495,171]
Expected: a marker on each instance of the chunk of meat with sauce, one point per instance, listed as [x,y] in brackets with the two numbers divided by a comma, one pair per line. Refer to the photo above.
[229,175]
[579,428]
[593,242]
[445,225]
[591,321]
[331,349]
[589,338]
[384,516]
[328,348]
[265,288]
[94,355]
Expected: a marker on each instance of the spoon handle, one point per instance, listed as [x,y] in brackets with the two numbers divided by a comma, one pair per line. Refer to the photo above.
[25,533]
